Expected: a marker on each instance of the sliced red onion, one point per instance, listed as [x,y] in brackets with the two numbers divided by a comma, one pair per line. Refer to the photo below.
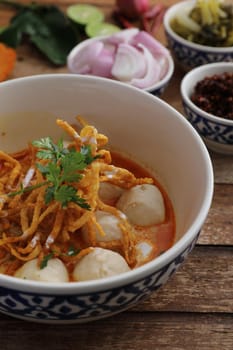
[80,62]
[102,66]
[29,175]
[131,56]
[129,63]
[123,36]
[163,63]
[153,71]
[150,42]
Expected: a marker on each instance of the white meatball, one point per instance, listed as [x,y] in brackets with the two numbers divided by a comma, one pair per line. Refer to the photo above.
[55,271]
[109,224]
[99,263]
[109,193]
[143,205]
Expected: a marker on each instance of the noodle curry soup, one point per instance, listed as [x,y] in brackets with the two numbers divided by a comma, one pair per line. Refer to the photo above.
[90,226]
[76,211]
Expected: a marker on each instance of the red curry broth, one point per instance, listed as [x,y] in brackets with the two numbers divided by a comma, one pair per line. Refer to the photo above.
[162,235]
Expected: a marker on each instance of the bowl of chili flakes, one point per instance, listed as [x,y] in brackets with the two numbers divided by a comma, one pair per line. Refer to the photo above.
[207,97]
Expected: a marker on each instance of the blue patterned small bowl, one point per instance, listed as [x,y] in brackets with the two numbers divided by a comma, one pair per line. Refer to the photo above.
[143,127]
[187,54]
[216,132]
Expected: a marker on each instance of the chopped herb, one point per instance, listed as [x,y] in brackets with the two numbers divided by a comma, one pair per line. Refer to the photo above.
[72,251]
[27,189]
[45,260]
[63,168]
[86,151]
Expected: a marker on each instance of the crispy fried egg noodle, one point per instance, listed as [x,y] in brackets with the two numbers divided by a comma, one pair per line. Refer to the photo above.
[40,240]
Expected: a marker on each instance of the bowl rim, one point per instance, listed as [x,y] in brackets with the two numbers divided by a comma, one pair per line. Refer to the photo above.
[187,80]
[154,87]
[149,268]
[166,21]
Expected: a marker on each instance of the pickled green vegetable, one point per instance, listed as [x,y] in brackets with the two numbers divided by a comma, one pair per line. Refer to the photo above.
[210,23]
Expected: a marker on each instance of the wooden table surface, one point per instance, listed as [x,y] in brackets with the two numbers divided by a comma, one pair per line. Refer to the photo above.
[195,308]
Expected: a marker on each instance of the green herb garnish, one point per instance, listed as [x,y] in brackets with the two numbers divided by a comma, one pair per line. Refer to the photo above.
[46,27]
[45,260]
[63,168]
[72,251]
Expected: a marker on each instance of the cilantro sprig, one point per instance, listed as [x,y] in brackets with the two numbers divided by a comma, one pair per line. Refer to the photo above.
[72,251]
[63,168]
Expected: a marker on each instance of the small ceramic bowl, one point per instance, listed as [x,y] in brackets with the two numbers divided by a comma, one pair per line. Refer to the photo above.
[156,89]
[159,88]
[139,125]
[216,132]
[188,54]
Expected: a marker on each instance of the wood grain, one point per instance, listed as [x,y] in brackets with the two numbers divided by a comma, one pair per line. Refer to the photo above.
[218,227]
[203,284]
[129,331]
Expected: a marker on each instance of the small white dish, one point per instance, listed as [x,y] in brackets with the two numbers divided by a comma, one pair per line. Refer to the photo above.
[156,89]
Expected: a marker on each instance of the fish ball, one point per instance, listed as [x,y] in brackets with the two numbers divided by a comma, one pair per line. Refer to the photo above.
[143,205]
[109,224]
[55,271]
[109,193]
[99,263]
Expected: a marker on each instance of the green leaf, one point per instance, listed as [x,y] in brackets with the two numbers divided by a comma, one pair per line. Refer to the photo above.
[63,167]
[71,177]
[73,161]
[60,147]
[72,251]
[49,194]
[45,260]
[47,28]
[45,142]
[66,194]
[86,151]
[82,203]
[49,150]
[43,169]
[45,154]
[11,36]
[54,171]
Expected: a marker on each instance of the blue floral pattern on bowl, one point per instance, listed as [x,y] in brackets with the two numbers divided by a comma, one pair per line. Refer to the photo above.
[85,307]
[191,57]
[214,131]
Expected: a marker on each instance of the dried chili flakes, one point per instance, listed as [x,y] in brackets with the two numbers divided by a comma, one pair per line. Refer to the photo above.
[7,61]
[214,94]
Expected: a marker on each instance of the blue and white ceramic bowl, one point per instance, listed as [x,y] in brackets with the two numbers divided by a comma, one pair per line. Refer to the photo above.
[146,129]
[216,132]
[187,54]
